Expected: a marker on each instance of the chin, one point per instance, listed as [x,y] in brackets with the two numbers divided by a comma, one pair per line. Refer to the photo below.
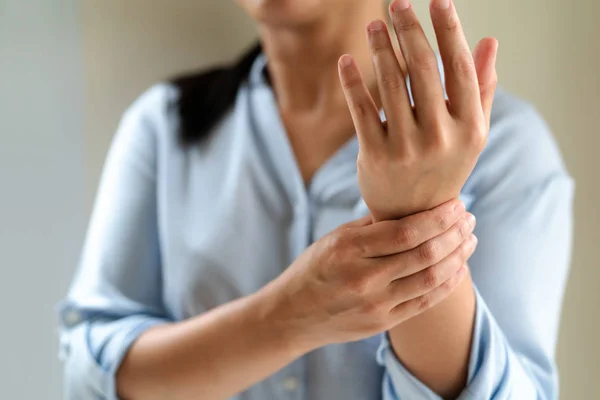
[285,12]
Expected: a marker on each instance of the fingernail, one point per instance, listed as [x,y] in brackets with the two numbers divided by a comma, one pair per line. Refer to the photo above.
[473,239]
[400,5]
[471,219]
[459,207]
[495,57]
[346,60]
[376,25]
[440,4]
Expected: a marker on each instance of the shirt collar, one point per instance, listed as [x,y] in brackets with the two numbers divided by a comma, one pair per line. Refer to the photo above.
[259,74]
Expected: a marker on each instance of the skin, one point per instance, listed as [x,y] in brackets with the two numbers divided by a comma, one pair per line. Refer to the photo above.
[422,157]
[381,275]
[403,269]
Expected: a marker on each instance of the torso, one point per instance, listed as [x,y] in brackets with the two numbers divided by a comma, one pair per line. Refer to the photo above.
[238,212]
[258,216]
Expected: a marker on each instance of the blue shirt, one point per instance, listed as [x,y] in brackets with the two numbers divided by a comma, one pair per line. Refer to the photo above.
[178,231]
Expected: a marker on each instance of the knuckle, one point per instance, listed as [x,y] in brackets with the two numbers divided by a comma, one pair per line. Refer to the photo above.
[456,258]
[361,108]
[380,272]
[356,242]
[373,309]
[462,230]
[437,143]
[490,84]
[493,82]
[462,256]
[477,136]
[405,235]
[448,286]
[431,278]
[407,24]
[438,127]
[441,222]
[453,25]
[463,65]
[438,140]
[377,163]
[428,252]
[336,240]
[351,82]
[392,81]
[338,243]
[423,61]
[424,302]
[377,316]
[404,157]
[379,48]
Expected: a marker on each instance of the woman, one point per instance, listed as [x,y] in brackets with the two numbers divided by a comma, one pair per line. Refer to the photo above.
[236,250]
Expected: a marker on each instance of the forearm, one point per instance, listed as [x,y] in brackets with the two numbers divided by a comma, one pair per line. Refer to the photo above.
[212,356]
[435,345]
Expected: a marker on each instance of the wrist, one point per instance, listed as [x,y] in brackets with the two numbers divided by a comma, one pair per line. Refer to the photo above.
[273,312]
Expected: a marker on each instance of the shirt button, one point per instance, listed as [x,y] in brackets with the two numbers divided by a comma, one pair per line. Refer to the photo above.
[291,384]
[72,317]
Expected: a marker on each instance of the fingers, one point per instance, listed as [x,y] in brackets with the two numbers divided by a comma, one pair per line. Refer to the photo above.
[364,221]
[461,78]
[390,78]
[409,309]
[485,64]
[420,61]
[413,262]
[397,236]
[362,107]
[427,280]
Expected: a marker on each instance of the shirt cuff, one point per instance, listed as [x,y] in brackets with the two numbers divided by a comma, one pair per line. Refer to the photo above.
[93,352]
[495,372]
[398,382]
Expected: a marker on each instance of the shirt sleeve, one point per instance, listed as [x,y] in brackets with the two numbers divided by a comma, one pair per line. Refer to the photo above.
[522,198]
[116,293]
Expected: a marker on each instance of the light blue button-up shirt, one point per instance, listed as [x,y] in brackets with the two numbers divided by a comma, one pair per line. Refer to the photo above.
[177,231]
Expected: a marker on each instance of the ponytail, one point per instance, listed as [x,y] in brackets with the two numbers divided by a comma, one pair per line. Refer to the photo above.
[205,97]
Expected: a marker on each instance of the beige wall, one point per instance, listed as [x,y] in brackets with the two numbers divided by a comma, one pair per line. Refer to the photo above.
[548,54]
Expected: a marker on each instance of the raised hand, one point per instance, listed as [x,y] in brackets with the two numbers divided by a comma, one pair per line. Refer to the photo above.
[364,278]
[422,156]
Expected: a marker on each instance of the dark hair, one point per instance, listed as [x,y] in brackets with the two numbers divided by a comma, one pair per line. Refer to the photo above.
[206,96]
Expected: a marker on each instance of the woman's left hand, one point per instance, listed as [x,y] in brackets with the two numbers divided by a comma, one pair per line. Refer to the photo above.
[422,156]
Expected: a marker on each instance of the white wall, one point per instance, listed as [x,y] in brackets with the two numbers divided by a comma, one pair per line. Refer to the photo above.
[41,187]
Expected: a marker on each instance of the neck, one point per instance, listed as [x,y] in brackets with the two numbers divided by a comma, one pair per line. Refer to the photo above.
[303,60]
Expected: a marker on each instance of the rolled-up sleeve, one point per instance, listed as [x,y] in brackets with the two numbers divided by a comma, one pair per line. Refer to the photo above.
[116,294]
[523,204]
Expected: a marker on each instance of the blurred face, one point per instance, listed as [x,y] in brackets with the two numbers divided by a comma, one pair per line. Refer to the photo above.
[294,12]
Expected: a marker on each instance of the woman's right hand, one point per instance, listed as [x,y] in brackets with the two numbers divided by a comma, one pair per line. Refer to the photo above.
[364,278]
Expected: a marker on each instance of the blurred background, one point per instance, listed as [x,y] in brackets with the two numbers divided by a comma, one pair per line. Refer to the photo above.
[69,68]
